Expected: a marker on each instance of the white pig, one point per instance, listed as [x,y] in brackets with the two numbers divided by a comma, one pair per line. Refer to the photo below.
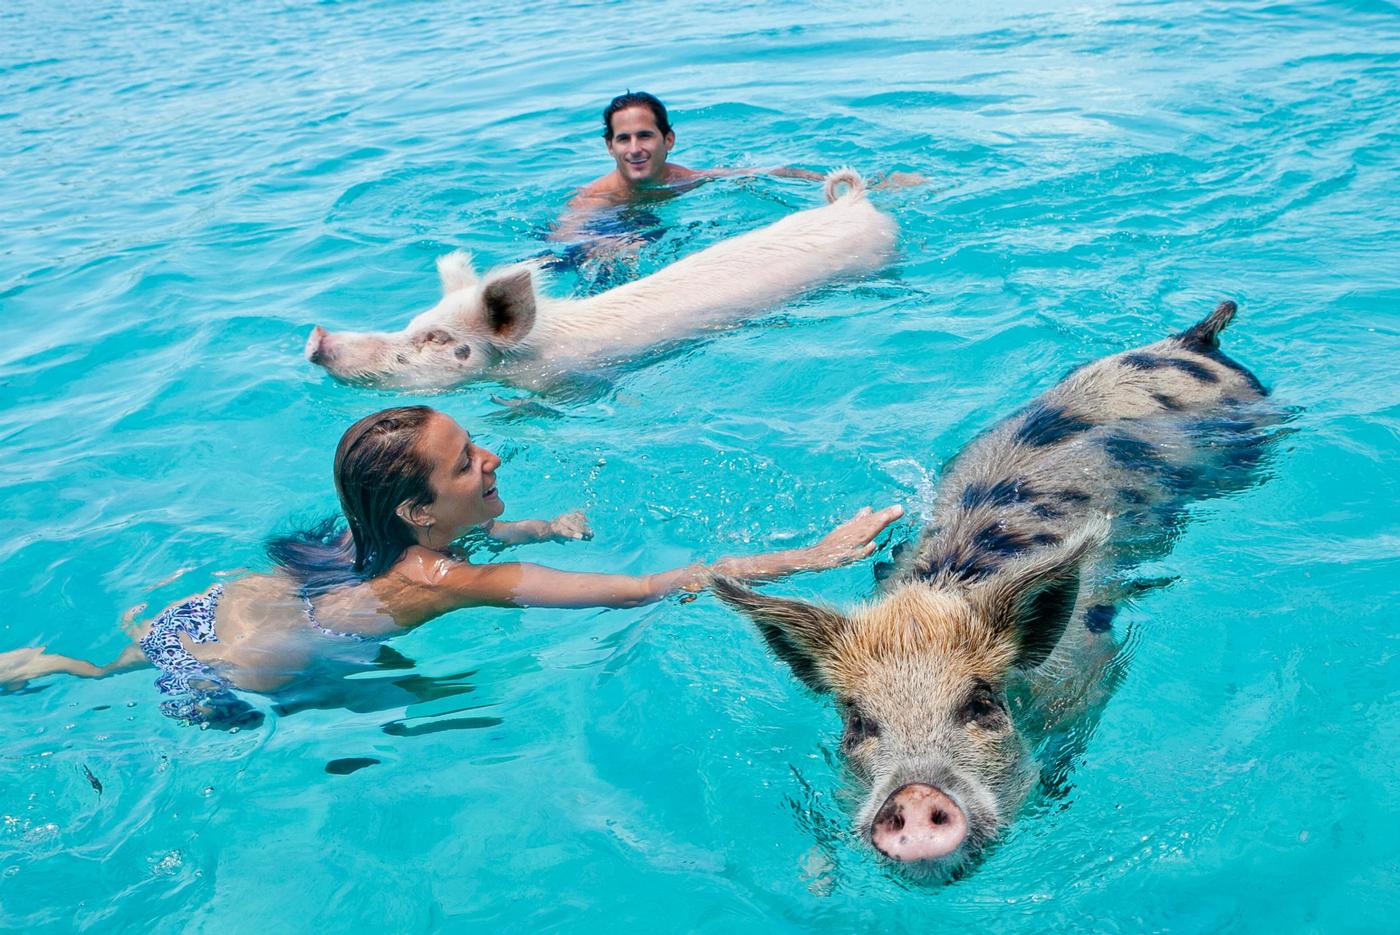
[499,327]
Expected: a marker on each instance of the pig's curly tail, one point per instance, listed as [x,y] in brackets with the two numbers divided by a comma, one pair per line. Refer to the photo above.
[836,178]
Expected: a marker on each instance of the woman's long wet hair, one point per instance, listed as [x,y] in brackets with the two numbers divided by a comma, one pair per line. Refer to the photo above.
[377,467]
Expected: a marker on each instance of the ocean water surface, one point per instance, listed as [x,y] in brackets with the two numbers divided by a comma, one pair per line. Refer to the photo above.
[187,189]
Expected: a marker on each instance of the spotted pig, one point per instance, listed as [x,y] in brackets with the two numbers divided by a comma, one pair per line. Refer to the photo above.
[995,629]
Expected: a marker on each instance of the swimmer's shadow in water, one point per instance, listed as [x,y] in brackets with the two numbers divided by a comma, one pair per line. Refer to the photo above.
[426,697]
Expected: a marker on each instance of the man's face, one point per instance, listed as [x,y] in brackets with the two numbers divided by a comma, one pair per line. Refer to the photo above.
[638,146]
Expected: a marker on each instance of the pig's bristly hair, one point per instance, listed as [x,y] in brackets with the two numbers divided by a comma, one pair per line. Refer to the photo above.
[1014,618]
[913,622]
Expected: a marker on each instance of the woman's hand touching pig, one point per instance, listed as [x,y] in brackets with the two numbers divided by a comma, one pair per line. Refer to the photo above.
[853,540]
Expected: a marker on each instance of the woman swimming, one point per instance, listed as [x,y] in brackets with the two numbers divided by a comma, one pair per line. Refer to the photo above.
[411,482]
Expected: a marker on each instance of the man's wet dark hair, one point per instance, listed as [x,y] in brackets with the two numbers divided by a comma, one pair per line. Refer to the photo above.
[635,99]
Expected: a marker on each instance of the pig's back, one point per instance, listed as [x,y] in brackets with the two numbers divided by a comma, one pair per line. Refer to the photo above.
[731,280]
[1134,436]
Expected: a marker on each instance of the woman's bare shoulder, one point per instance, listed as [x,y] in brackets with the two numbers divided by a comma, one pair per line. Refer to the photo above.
[424,584]
[425,567]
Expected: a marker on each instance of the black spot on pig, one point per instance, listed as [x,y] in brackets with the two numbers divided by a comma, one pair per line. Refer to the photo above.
[1046,511]
[1133,453]
[980,556]
[1204,338]
[1168,402]
[1181,478]
[962,562]
[1002,493]
[1047,425]
[1073,496]
[1141,361]
[1234,443]
[1221,426]
[1228,363]
[1099,618]
[1143,457]
[997,539]
[1192,369]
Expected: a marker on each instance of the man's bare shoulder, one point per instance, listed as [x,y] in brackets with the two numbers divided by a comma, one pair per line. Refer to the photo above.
[675,173]
[607,188]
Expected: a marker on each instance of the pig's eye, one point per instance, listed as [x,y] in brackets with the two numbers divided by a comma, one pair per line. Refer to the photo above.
[859,729]
[981,707]
[462,351]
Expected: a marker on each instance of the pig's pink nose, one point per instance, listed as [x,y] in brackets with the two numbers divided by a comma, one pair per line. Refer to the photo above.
[316,345]
[918,822]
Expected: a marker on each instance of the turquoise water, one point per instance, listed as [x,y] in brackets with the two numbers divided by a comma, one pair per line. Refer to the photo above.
[186,191]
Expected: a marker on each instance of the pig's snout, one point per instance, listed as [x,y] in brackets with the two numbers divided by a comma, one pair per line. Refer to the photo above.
[918,822]
[316,345]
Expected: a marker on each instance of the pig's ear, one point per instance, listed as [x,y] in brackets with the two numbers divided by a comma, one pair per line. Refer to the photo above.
[797,632]
[509,305]
[1032,601]
[455,271]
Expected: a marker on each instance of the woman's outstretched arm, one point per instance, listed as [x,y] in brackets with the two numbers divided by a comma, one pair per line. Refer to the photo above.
[525,585]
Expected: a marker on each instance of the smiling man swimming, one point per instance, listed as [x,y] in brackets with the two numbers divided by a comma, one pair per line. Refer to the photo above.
[639,137]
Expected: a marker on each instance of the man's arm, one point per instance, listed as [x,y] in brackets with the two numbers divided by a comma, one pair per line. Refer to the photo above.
[592,199]
[782,172]
[898,180]
[891,180]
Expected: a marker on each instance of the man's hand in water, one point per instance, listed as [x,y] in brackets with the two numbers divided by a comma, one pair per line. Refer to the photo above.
[570,526]
[898,180]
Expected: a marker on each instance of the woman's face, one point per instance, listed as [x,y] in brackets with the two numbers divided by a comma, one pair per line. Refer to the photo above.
[463,478]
